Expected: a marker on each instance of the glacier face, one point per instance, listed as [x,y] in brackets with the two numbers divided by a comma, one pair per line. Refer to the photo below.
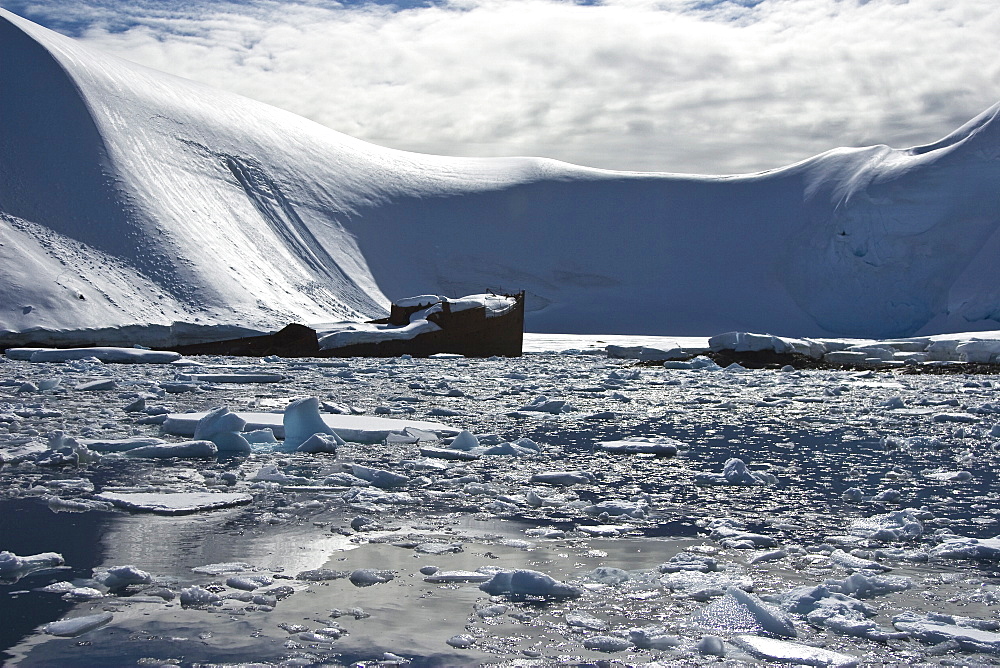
[131,196]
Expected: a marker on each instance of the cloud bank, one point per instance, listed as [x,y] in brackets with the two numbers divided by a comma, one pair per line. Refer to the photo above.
[698,86]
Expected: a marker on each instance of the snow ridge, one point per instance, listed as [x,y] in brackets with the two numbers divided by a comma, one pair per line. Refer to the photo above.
[186,204]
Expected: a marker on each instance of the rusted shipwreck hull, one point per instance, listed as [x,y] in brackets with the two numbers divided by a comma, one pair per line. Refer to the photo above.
[472,332]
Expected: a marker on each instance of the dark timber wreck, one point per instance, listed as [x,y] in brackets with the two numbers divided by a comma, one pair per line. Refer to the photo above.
[477,326]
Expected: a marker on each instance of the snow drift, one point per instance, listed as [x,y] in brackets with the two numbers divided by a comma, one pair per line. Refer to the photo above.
[131,197]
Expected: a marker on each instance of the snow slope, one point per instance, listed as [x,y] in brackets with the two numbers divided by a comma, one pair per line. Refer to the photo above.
[128,196]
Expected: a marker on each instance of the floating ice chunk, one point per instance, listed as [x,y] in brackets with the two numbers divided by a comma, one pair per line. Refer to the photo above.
[699,363]
[237,377]
[711,645]
[249,582]
[564,478]
[949,476]
[603,530]
[618,508]
[443,577]
[97,385]
[321,443]
[653,638]
[83,594]
[607,644]
[224,429]
[353,428]
[367,495]
[365,577]
[198,596]
[271,473]
[862,585]
[185,449]
[690,561]
[378,477]
[301,420]
[853,563]
[120,444]
[965,418]
[971,635]
[542,404]
[784,651]
[852,495]
[462,641]
[119,577]
[763,557]
[608,575]
[176,503]
[60,505]
[656,445]
[897,525]
[448,453]
[524,582]
[730,533]
[975,549]
[224,567]
[735,472]
[104,354]
[705,586]
[260,437]
[739,611]
[70,628]
[13,567]
[585,621]
[648,353]
[466,441]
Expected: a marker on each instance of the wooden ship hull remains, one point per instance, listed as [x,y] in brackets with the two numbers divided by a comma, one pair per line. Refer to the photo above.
[469,331]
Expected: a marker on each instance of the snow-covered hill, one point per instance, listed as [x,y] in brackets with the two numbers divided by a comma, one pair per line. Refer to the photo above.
[128,196]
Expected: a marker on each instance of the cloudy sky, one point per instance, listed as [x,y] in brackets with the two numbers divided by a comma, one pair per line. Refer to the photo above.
[698,86]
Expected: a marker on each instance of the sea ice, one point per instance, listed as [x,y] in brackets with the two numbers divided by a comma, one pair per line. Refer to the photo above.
[301,420]
[184,449]
[656,445]
[740,611]
[975,549]
[735,472]
[13,567]
[119,577]
[784,651]
[70,628]
[175,503]
[225,430]
[564,478]
[104,354]
[524,582]
[971,635]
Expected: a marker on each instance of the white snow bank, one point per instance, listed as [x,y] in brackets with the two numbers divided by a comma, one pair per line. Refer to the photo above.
[311,224]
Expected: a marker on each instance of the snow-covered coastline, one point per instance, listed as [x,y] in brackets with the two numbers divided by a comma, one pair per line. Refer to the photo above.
[181,204]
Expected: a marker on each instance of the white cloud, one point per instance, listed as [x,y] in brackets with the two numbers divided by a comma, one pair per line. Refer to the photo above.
[670,85]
